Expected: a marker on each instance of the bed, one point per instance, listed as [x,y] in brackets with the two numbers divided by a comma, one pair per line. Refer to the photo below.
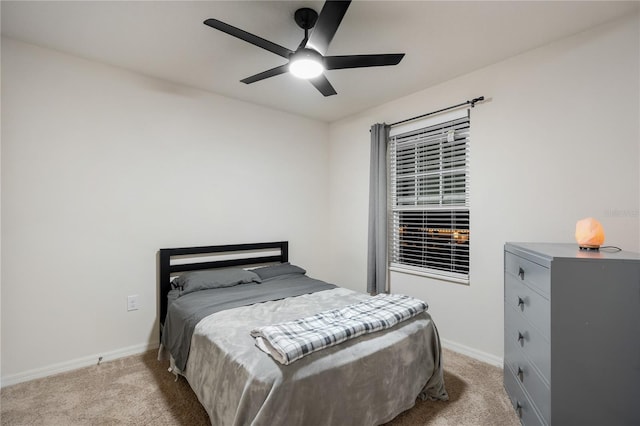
[367,380]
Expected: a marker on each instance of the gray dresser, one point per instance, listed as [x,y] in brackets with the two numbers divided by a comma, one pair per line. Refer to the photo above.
[572,334]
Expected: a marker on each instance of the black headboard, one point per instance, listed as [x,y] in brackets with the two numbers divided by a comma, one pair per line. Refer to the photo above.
[166,268]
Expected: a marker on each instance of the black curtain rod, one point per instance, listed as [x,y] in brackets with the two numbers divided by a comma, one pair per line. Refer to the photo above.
[471,102]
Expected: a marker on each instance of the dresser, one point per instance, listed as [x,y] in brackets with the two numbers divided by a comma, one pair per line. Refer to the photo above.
[572,334]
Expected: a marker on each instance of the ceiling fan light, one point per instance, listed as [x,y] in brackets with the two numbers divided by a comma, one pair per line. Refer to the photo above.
[306,64]
[306,68]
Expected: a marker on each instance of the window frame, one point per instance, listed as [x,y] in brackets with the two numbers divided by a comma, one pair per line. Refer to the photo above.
[436,192]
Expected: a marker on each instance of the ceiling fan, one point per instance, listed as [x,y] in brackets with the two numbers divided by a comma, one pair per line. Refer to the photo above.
[308,60]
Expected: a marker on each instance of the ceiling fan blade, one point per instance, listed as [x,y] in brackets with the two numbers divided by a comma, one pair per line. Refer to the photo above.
[361,61]
[248,37]
[327,24]
[322,84]
[266,74]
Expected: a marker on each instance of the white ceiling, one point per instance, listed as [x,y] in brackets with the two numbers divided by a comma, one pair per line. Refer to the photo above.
[167,40]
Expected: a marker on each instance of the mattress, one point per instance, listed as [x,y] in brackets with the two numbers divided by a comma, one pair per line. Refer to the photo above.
[365,381]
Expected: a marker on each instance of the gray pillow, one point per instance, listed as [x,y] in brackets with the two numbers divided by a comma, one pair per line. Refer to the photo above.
[276,270]
[214,278]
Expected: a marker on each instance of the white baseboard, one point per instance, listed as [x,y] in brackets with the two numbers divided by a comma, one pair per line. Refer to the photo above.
[86,361]
[74,364]
[473,353]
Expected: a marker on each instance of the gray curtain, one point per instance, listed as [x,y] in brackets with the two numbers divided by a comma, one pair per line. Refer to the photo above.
[377,253]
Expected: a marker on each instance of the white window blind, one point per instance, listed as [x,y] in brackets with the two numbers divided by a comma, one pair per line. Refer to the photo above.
[429,179]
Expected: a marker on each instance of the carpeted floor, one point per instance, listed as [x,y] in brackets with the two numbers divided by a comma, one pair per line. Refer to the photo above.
[138,390]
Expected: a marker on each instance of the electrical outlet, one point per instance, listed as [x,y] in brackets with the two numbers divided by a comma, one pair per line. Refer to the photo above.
[132,303]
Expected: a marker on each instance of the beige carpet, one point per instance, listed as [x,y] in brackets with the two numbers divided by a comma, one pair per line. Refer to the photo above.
[138,390]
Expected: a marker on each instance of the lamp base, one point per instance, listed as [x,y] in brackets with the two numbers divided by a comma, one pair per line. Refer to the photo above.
[589,247]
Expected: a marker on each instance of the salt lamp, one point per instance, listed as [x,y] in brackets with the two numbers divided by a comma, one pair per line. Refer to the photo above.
[589,234]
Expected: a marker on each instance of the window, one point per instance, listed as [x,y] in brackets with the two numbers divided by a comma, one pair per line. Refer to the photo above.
[429,178]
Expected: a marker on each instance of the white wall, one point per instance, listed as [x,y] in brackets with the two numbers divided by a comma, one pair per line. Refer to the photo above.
[102,167]
[557,140]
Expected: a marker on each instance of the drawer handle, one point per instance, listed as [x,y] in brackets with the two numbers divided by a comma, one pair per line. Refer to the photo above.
[521,273]
[520,374]
[519,408]
[520,303]
[521,338]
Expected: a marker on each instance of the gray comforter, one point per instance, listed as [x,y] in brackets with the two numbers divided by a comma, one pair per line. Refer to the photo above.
[365,381]
[187,311]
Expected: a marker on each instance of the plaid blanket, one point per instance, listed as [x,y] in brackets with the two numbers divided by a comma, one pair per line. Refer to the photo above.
[289,341]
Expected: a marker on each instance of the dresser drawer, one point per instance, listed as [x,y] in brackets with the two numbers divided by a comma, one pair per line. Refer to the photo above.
[530,341]
[531,305]
[529,379]
[523,406]
[536,276]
